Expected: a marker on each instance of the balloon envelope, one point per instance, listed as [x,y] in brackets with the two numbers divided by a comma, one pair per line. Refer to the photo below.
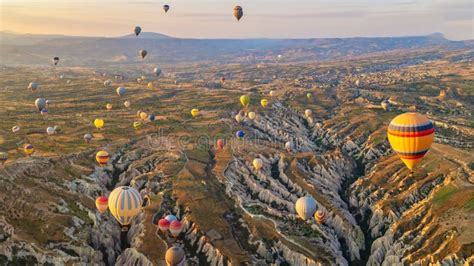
[175,256]
[102,157]
[137,30]
[305,207]
[238,12]
[124,204]
[244,100]
[411,136]
[102,204]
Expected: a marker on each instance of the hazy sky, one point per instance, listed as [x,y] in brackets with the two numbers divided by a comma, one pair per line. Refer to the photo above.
[262,18]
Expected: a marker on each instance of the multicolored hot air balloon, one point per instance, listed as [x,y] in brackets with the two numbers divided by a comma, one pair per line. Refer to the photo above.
[411,136]
[244,100]
[238,12]
[99,123]
[163,225]
[124,204]
[170,218]
[175,256]
[320,217]
[175,228]
[305,207]
[102,157]
[151,117]
[102,203]
[195,112]
[240,134]
[264,102]
[120,91]
[28,149]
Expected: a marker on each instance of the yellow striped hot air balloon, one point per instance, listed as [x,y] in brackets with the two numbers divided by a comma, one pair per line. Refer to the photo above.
[102,157]
[124,204]
[137,125]
[195,112]
[411,136]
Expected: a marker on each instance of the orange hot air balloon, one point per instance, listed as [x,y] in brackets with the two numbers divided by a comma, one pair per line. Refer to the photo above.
[220,144]
[238,12]
[102,204]
[320,217]
[411,136]
[102,157]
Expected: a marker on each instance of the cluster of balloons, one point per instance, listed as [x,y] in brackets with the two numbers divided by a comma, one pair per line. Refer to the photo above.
[170,224]
[306,207]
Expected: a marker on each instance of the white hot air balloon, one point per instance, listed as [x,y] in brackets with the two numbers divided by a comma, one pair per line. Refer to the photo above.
[50,131]
[252,115]
[305,207]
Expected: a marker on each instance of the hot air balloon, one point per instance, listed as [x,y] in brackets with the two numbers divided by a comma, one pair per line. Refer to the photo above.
[126,104]
[244,100]
[175,256]
[44,112]
[238,12]
[239,118]
[150,85]
[108,106]
[57,129]
[357,83]
[48,102]
[195,112]
[68,81]
[272,93]
[137,125]
[175,228]
[252,115]
[120,91]
[40,103]
[320,217]
[257,164]
[385,105]
[170,218]
[143,116]
[309,95]
[166,8]
[220,144]
[50,131]
[107,83]
[411,136]
[102,157]
[124,204]
[143,53]
[163,225]
[61,76]
[33,86]
[98,123]
[264,102]
[55,60]
[289,146]
[305,207]
[157,71]
[240,134]
[138,113]
[308,113]
[222,80]
[87,137]
[137,30]
[151,117]
[102,203]
[15,129]
[28,149]
[3,157]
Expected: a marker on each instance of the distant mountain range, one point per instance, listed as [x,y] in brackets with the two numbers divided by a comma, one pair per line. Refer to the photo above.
[83,51]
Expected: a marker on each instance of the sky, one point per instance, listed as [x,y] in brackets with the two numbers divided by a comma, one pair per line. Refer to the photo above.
[262,18]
